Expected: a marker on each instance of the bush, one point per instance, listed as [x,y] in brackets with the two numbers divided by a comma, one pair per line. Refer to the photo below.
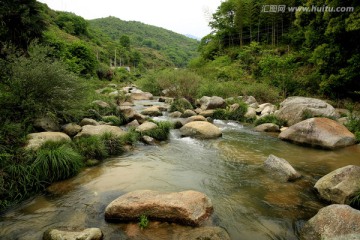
[270,119]
[114,120]
[160,133]
[180,104]
[114,145]
[353,125]
[56,161]
[236,115]
[91,147]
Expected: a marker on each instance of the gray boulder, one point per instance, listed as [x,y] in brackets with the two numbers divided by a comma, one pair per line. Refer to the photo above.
[200,129]
[251,113]
[87,234]
[153,111]
[340,185]
[88,121]
[71,129]
[212,102]
[36,140]
[319,132]
[333,222]
[89,130]
[295,109]
[267,127]
[133,123]
[281,169]
[127,111]
[188,207]
[188,113]
[146,126]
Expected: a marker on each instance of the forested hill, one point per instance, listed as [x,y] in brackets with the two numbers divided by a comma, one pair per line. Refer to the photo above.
[178,48]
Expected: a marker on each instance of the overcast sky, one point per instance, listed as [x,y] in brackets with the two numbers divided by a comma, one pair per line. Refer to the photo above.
[182,16]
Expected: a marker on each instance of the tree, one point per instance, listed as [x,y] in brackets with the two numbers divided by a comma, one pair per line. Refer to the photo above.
[125,41]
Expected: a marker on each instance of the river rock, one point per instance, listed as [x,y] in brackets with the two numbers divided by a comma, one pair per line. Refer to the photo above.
[146,126]
[148,140]
[88,121]
[140,118]
[133,123]
[249,100]
[340,185]
[47,124]
[319,132]
[251,113]
[208,233]
[175,114]
[267,127]
[101,104]
[127,111]
[188,113]
[188,207]
[153,111]
[89,130]
[281,169]
[71,129]
[340,222]
[36,140]
[200,129]
[207,113]
[294,109]
[195,118]
[212,102]
[87,234]
[135,95]
[270,109]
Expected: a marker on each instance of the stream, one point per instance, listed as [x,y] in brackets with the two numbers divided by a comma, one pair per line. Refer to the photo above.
[247,201]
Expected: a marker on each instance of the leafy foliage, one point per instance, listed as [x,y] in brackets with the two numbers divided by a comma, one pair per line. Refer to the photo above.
[143,221]
[180,104]
[160,133]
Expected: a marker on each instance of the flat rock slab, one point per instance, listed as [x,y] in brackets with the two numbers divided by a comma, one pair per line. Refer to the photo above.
[36,140]
[188,207]
[340,185]
[90,130]
[87,234]
[200,129]
[319,132]
[333,222]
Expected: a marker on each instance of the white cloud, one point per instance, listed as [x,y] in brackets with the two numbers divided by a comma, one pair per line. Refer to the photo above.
[186,16]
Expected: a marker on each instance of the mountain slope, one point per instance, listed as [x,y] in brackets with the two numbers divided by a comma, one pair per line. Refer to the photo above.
[177,48]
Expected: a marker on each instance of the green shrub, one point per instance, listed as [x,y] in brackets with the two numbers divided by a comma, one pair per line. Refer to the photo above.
[221,114]
[114,120]
[56,161]
[160,133]
[131,137]
[236,115]
[91,147]
[270,119]
[114,144]
[180,104]
[262,92]
[353,125]
[143,221]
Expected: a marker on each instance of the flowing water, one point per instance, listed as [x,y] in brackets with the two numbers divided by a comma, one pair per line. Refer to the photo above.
[248,202]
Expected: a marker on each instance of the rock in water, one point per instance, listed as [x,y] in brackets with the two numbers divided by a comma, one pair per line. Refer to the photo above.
[281,169]
[336,221]
[267,127]
[200,129]
[188,207]
[340,185]
[153,111]
[87,234]
[319,132]
[208,233]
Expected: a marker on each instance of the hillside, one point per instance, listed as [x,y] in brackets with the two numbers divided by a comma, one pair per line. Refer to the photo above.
[177,48]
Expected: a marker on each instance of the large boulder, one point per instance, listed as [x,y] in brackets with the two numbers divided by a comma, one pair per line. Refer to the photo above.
[200,129]
[195,118]
[71,129]
[319,132]
[281,169]
[36,140]
[340,185]
[188,207]
[127,111]
[212,102]
[87,234]
[251,113]
[146,126]
[90,130]
[267,127]
[153,111]
[205,233]
[336,221]
[295,109]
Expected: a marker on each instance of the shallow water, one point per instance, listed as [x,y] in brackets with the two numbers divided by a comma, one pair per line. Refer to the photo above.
[248,202]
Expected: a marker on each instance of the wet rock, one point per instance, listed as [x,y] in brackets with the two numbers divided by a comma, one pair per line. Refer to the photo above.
[200,129]
[101,104]
[333,222]
[267,127]
[153,111]
[87,234]
[71,129]
[36,140]
[148,140]
[319,132]
[295,109]
[281,169]
[188,113]
[175,114]
[88,121]
[340,185]
[141,95]
[195,118]
[89,130]
[146,126]
[188,207]
[47,124]
[208,233]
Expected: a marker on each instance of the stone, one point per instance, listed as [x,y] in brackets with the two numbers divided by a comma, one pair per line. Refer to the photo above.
[148,140]
[281,169]
[140,118]
[267,127]
[249,100]
[90,130]
[188,207]
[141,96]
[343,120]
[213,102]
[195,118]
[206,233]
[319,132]
[127,111]
[200,129]
[88,121]
[153,111]
[146,126]
[47,124]
[71,129]
[133,123]
[270,109]
[188,113]
[36,140]
[295,109]
[101,104]
[333,222]
[175,114]
[129,104]
[340,185]
[234,107]
[87,234]
[207,113]
[251,113]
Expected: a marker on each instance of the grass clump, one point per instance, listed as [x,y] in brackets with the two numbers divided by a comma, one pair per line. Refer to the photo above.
[113,120]
[143,221]
[271,118]
[114,145]
[353,124]
[91,147]
[161,133]
[180,104]
[237,114]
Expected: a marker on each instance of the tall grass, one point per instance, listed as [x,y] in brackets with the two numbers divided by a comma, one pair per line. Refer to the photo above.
[91,147]
[160,133]
[270,119]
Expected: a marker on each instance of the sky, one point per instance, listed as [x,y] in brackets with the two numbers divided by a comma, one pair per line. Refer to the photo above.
[185,16]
